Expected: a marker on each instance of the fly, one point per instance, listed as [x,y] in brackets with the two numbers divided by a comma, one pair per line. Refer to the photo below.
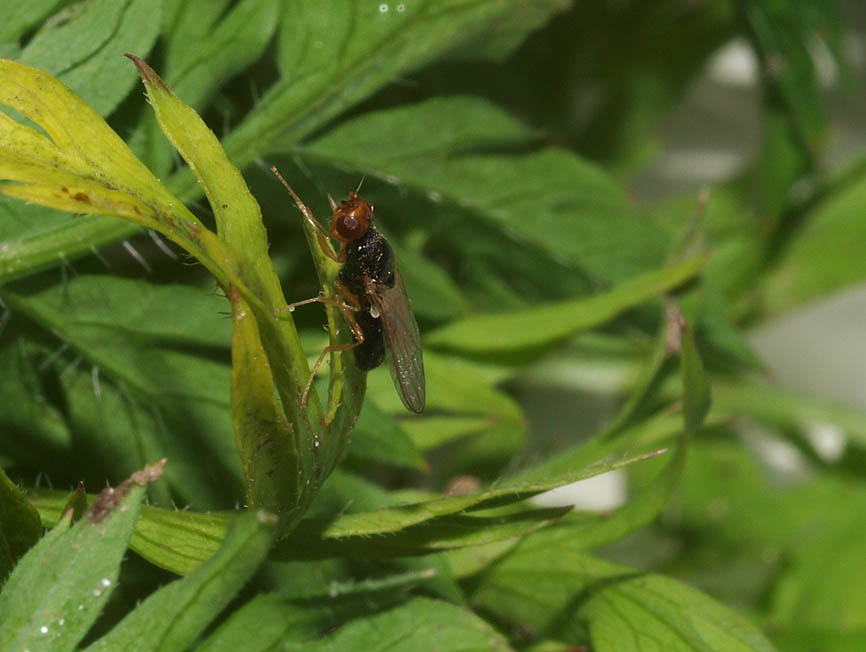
[371,298]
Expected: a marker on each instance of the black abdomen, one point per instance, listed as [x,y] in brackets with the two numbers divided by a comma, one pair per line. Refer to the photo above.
[368,257]
[370,353]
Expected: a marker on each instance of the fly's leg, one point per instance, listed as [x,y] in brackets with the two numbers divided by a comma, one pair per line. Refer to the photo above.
[348,307]
[328,301]
[322,233]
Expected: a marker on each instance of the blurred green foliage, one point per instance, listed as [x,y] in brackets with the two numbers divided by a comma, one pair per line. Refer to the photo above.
[498,141]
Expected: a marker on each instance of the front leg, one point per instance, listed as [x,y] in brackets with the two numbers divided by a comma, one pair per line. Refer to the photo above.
[322,234]
[348,307]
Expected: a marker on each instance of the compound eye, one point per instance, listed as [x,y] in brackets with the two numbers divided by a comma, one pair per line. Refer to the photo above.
[349,227]
[352,219]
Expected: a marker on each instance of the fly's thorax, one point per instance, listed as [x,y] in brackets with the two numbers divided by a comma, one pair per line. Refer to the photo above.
[368,257]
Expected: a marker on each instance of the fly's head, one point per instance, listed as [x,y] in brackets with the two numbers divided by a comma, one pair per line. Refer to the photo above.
[351,219]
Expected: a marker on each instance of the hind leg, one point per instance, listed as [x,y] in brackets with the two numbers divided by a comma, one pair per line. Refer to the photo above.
[347,307]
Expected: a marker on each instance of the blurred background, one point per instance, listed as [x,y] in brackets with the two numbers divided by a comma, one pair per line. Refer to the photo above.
[711,133]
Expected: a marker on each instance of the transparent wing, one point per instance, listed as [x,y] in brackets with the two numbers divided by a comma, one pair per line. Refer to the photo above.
[402,339]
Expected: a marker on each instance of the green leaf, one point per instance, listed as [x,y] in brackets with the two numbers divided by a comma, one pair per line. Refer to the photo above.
[35,431]
[300,617]
[434,295]
[77,504]
[773,541]
[179,541]
[442,533]
[550,199]
[823,257]
[269,452]
[186,24]
[786,408]
[806,639]
[716,328]
[346,493]
[265,622]
[23,16]
[160,314]
[648,501]
[781,34]
[365,48]
[543,326]
[453,385]
[175,616]
[378,437]
[785,39]
[80,165]
[61,586]
[635,612]
[391,520]
[432,432]
[696,389]
[419,624]
[136,399]
[814,593]
[655,431]
[386,583]
[315,89]
[546,583]
[204,54]
[37,238]
[20,526]
[311,453]
[84,49]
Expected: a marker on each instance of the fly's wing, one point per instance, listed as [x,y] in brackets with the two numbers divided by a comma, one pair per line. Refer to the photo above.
[403,340]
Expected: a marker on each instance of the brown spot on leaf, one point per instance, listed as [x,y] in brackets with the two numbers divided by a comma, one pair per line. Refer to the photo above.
[82,197]
[110,497]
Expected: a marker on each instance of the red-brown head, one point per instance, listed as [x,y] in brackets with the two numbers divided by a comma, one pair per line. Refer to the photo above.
[351,219]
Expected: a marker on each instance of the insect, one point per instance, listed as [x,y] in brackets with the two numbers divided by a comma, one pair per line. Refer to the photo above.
[371,297]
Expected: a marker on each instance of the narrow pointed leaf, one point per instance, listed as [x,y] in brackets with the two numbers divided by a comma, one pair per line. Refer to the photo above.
[180,541]
[20,526]
[591,531]
[175,616]
[546,325]
[264,439]
[442,533]
[61,586]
